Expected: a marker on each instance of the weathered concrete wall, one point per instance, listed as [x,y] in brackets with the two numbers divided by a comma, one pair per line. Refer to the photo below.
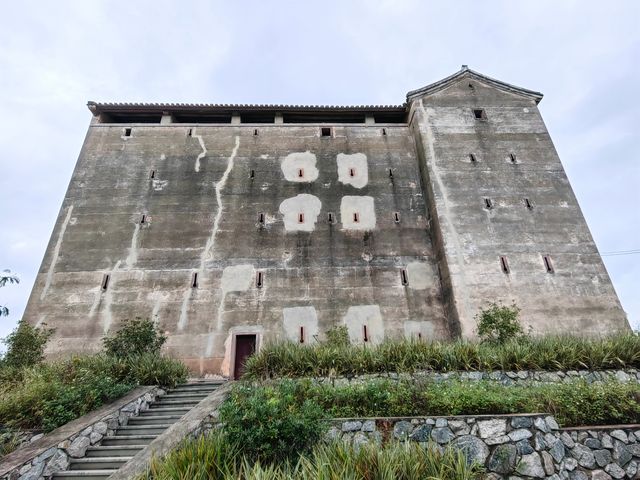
[578,297]
[334,237]
[202,210]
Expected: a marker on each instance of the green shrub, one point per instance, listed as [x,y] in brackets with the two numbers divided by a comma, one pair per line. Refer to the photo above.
[215,457]
[272,423]
[152,369]
[338,336]
[25,345]
[525,353]
[499,323]
[135,337]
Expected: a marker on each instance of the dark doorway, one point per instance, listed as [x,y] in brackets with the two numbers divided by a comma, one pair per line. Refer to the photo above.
[245,347]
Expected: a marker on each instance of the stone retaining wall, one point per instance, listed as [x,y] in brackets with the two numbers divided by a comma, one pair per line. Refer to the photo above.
[52,452]
[504,377]
[512,446]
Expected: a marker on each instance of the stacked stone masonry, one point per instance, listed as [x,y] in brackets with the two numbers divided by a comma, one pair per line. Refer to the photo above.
[511,447]
[279,222]
[57,457]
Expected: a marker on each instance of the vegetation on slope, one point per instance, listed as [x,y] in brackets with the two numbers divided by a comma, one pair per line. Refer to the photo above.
[39,395]
[573,404]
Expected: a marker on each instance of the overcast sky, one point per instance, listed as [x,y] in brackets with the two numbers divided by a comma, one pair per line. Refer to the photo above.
[56,55]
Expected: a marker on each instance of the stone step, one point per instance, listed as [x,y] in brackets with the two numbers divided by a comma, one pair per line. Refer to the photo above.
[128,430]
[128,440]
[114,451]
[193,390]
[174,403]
[83,474]
[202,382]
[164,411]
[98,463]
[182,396]
[154,420]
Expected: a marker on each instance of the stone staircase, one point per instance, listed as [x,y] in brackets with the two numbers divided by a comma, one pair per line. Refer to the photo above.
[101,461]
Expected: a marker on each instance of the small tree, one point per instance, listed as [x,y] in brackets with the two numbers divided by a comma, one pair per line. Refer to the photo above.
[499,323]
[135,337]
[7,277]
[25,345]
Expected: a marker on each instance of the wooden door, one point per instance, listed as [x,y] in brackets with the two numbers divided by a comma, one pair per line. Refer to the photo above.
[245,346]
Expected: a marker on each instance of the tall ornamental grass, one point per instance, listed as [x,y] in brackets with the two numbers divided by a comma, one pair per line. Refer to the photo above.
[549,353]
[214,457]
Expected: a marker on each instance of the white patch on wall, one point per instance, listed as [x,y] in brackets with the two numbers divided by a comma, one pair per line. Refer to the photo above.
[353,169]
[421,275]
[295,317]
[360,316]
[301,212]
[158,185]
[299,167]
[418,330]
[357,213]
[237,278]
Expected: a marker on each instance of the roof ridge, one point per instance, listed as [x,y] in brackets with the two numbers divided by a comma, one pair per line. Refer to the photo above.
[465,70]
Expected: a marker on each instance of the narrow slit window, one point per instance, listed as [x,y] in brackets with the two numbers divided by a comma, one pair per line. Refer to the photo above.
[504,264]
[194,280]
[488,204]
[352,172]
[365,333]
[548,265]
[301,173]
[301,334]
[325,131]
[255,132]
[143,220]
[259,280]
[105,281]
[472,158]
[479,114]
[301,218]
[261,218]
[528,204]
[384,132]
[512,157]
[127,132]
[152,174]
[330,217]
[404,279]
[390,173]
[396,217]
[252,173]
[356,217]
[189,132]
